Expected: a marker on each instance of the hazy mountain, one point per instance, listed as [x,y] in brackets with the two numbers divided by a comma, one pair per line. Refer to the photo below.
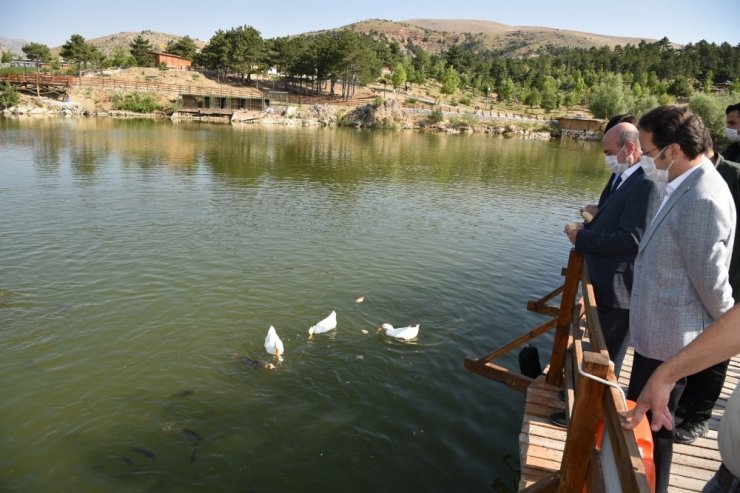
[107,44]
[12,45]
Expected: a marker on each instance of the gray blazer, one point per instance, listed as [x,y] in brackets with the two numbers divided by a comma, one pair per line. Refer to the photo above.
[681,282]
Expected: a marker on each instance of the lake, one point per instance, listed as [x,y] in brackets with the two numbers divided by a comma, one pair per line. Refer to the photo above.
[143,262]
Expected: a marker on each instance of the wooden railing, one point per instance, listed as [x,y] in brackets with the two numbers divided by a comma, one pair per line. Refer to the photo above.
[588,400]
[139,85]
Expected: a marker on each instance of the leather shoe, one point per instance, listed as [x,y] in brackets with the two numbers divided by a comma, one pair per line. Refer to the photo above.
[690,430]
[559,419]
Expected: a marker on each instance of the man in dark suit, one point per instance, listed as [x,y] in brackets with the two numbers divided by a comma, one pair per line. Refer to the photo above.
[732,151]
[615,167]
[610,241]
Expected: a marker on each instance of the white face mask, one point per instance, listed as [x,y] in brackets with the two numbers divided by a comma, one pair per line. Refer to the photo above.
[732,134]
[613,163]
[659,176]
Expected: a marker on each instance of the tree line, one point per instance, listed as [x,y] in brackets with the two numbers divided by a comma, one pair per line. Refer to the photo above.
[607,80]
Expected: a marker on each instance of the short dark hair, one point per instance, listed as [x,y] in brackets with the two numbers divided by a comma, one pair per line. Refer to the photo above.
[675,125]
[619,119]
[733,107]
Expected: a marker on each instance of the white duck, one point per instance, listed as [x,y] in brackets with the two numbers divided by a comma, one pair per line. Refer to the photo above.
[405,333]
[329,323]
[273,344]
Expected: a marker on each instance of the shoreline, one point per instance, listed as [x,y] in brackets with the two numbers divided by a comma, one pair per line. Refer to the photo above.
[389,115]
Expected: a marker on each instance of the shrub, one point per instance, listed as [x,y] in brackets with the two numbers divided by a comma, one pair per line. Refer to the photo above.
[377,102]
[134,101]
[436,116]
[465,100]
[8,96]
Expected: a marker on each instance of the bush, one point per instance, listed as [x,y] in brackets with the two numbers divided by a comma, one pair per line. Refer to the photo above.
[377,102]
[436,116]
[711,109]
[8,96]
[163,66]
[465,100]
[134,101]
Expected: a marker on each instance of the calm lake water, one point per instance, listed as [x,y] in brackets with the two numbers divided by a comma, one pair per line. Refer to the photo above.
[140,262]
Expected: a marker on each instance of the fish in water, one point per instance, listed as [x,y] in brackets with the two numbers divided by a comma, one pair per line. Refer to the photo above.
[127,460]
[184,393]
[144,452]
[193,435]
[193,454]
[256,363]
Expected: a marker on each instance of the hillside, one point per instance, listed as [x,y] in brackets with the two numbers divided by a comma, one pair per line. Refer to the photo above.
[437,35]
[107,44]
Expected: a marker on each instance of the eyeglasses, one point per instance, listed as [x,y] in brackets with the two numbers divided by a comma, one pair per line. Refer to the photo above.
[647,153]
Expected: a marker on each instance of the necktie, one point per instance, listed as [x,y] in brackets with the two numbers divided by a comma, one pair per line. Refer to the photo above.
[617,182]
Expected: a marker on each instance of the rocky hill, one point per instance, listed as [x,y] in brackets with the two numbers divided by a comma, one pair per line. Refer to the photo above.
[437,35]
[433,35]
[107,44]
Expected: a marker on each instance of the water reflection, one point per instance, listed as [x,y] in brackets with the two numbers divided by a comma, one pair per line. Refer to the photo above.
[147,258]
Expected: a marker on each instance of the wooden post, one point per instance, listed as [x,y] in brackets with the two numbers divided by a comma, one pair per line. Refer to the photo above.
[582,427]
[565,317]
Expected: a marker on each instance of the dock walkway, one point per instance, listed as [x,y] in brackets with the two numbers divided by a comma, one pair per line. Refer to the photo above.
[541,443]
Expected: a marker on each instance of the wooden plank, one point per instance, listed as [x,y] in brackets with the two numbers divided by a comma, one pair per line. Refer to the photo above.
[626,452]
[537,331]
[582,428]
[512,379]
[548,484]
[562,328]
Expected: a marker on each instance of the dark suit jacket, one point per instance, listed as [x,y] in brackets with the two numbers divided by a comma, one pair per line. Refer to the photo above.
[607,190]
[611,240]
[730,171]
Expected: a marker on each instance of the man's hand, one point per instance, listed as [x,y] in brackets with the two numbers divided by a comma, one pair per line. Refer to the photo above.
[590,208]
[571,229]
[653,398]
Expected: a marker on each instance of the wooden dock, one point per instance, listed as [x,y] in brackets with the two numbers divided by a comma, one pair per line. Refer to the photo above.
[541,443]
[560,460]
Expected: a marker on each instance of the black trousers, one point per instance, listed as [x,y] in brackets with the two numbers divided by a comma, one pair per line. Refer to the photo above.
[642,368]
[615,324]
[702,391]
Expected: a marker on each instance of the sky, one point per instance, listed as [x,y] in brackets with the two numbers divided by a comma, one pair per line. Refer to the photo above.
[52,22]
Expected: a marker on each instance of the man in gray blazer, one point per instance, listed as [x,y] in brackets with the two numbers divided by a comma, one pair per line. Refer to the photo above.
[681,282]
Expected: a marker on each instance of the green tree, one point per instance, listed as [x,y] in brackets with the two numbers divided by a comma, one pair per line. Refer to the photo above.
[450,81]
[6,57]
[550,95]
[608,98]
[398,77]
[120,57]
[533,97]
[76,51]
[215,55]
[8,96]
[140,49]
[183,47]
[681,87]
[246,51]
[507,90]
[711,109]
[38,53]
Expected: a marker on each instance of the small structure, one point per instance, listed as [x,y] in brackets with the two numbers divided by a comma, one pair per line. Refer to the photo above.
[580,124]
[213,104]
[170,61]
